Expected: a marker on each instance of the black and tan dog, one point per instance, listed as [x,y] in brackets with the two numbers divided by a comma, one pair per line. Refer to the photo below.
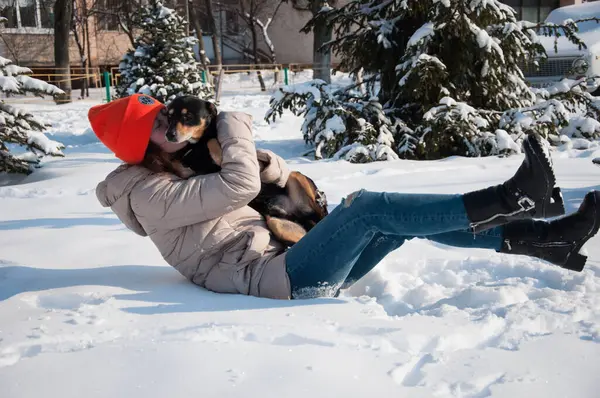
[290,212]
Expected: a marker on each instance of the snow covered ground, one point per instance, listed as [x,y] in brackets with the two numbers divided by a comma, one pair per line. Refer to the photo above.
[89,309]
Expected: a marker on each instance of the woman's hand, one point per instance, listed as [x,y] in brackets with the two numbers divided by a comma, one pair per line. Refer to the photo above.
[273,169]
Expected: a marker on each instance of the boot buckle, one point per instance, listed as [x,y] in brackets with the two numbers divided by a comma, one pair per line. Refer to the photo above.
[526,203]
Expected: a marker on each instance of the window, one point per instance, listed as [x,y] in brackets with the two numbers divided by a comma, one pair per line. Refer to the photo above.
[9,12]
[204,20]
[108,18]
[232,22]
[544,11]
[27,13]
[47,13]
[532,10]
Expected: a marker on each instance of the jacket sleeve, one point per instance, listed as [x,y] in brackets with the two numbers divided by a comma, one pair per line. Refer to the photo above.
[176,203]
[274,170]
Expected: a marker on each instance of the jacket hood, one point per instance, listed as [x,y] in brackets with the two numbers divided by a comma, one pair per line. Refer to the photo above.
[114,192]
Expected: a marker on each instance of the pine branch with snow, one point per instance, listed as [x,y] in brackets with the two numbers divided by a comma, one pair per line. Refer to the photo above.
[562,112]
[478,45]
[163,64]
[19,128]
[456,127]
[371,35]
[340,124]
[14,80]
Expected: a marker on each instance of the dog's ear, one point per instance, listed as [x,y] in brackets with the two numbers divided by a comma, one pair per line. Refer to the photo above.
[302,189]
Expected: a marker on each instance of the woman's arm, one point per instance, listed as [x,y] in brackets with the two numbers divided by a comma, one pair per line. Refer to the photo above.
[176,203]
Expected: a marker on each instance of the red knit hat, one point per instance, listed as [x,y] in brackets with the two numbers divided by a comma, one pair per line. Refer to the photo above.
[125,125]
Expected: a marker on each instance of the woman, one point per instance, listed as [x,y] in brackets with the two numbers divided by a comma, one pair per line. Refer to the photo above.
[203,227]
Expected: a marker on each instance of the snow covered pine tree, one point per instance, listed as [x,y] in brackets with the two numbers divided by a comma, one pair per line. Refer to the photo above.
[447,78]
[162,64]
[19,128]
[341,123]
[471,63]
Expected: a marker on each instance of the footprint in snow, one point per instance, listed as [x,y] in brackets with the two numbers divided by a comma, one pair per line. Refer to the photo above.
[411,374]
[292,339]
[235,376]
[12,355]
[69,301]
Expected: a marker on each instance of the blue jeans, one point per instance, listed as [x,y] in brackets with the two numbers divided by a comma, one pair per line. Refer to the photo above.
[365,227]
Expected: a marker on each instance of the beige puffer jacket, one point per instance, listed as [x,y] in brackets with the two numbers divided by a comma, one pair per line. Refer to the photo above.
[202,226]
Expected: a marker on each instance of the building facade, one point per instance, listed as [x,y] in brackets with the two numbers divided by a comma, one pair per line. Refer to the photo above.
[27,36]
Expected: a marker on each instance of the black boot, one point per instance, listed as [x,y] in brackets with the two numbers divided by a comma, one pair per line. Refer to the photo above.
[558,241]
[529,194]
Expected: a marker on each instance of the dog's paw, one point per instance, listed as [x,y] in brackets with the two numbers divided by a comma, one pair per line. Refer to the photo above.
[181,171]
[216,153]
[285,231]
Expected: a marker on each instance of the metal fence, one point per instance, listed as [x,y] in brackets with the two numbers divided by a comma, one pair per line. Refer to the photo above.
[236,79]
[78,78]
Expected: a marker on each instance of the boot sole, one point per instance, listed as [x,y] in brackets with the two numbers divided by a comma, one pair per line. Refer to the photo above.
[575,260]
[553,203]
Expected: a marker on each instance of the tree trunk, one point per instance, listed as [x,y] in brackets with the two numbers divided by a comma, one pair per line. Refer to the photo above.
[268,41]
[83,44]
[202,50]
[63,13]
[130,37]
[85,90]
[128,21]
[127,26]
[86,29]
[79,41]
[322,33]
[388,81]
[255,54]
[213,27]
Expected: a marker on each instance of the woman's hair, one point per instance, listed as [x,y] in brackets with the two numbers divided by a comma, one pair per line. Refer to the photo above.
[159,161]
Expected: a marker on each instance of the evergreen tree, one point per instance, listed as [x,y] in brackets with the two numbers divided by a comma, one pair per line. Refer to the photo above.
[461,71]
[162,64]
[19,128]
[448,76]
[371,36]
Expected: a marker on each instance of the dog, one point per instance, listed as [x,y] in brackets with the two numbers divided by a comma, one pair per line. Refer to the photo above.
[289,212]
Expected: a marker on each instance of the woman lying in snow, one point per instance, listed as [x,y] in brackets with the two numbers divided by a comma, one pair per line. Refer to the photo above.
[204,228]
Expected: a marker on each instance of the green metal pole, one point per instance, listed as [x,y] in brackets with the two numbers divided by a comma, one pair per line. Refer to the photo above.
[285,76]
[203,76]
[107,84]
